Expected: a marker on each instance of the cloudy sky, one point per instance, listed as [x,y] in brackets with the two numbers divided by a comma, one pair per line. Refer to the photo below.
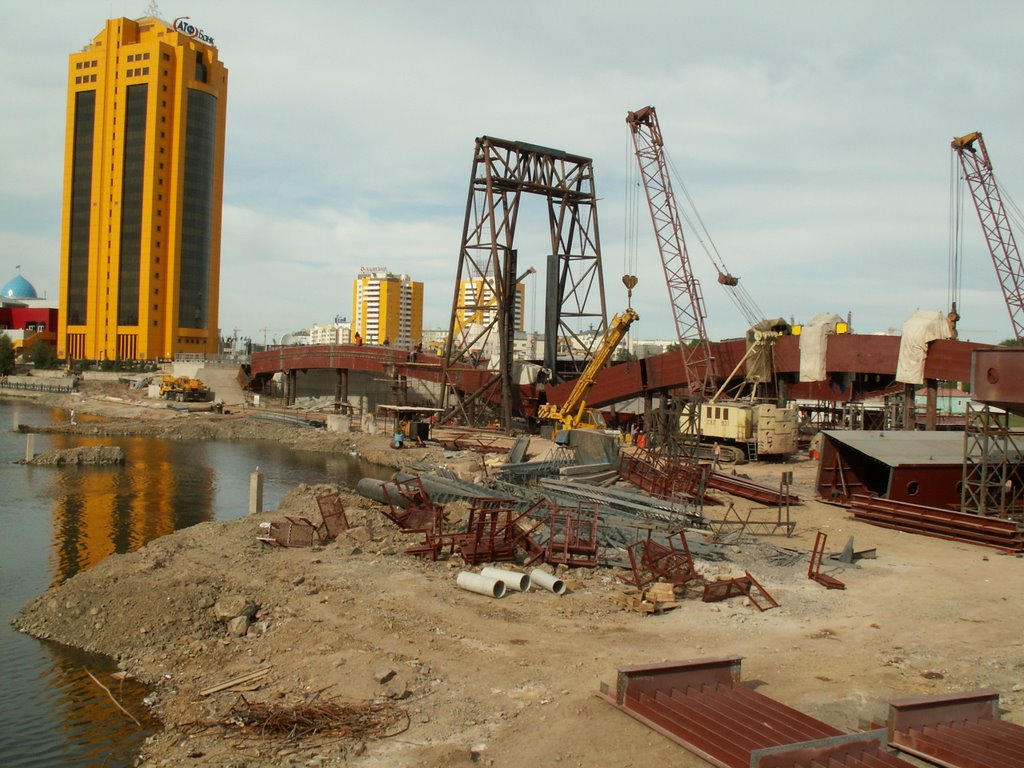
[813,137]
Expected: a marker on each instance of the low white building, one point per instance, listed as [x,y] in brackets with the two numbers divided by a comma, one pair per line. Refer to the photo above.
[331,333]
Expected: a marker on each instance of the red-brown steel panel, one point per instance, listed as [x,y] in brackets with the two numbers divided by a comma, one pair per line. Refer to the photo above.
[701,705]
[996,377]
[873,358]
[957,730]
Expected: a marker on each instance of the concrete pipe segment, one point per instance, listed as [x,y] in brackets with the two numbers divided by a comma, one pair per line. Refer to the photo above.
[520,582]
[546,581]
[482,585]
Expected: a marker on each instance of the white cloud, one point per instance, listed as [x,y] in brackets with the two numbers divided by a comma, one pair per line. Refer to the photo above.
[814,139]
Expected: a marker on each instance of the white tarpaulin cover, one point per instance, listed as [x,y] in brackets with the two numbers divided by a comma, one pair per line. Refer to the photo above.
[923,326]
[813,338]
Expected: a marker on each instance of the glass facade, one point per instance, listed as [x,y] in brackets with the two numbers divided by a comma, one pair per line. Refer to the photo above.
[131,205]
[81,208]
[197,209]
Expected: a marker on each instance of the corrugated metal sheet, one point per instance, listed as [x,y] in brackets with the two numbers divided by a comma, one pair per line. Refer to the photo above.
[904,448]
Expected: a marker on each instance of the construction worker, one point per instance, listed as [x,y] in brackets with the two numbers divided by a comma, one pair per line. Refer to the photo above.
[718,456]
[359,339]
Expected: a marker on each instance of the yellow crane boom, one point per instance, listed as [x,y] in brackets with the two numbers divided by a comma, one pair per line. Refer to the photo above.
[573,413]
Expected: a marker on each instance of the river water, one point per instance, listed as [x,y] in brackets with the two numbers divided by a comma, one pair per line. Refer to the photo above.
[56,522]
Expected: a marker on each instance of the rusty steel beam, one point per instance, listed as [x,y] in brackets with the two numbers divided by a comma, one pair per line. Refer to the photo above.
[745,585]
[814,567]
[939,523]
[871,358]
[748,489]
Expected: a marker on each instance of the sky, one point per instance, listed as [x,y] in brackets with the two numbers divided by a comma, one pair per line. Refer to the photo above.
[813,138]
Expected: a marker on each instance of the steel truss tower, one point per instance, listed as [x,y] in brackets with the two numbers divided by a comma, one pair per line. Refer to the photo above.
[991,481]
[683,287]
[977,170]
[481,330]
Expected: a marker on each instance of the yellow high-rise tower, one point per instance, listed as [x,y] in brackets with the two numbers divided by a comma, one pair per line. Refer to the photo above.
[143,186]
[480,304]
[387,308]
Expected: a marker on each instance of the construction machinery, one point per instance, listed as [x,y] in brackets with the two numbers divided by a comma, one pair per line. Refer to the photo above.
[742,429]
[977,171]
[573,413]
[750,428]
[183,388]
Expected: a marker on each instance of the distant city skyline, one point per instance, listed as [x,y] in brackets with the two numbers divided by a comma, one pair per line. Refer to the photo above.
[813,138]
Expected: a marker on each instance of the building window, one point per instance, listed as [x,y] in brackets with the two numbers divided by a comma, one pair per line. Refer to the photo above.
[78,80]
[145,70]
[146,56]
[78,65]
[81,205]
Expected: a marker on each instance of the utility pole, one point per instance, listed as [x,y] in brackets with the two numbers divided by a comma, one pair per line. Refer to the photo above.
[234,345]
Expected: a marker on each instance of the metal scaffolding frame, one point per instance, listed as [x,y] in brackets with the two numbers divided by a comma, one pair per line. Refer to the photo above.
[992,458]
[482,322]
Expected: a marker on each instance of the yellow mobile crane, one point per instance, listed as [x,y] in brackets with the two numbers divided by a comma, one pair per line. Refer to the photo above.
[573,413]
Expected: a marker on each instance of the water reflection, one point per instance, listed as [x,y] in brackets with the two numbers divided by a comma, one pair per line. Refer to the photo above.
[101,733]
[100,511]
[62,521]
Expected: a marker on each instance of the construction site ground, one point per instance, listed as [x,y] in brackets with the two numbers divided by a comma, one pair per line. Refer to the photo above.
[512,682]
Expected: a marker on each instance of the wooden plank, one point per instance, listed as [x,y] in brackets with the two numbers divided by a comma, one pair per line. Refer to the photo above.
[248,678]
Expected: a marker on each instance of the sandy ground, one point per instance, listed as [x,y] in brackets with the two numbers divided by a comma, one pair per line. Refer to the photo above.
[511,682]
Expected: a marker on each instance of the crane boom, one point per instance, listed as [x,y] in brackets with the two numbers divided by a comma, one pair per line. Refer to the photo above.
[573,412]
[683,287]
[977,170]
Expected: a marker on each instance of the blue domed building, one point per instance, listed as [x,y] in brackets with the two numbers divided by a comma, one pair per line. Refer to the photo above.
[24,316]
[19,288]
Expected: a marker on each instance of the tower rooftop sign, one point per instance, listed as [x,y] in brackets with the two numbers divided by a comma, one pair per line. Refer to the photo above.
[184,25]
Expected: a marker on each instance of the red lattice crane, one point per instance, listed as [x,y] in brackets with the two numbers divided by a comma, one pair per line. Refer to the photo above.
[977,170]
[683,288]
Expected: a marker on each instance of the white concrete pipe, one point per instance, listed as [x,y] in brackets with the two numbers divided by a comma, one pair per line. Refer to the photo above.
[482,585]
[520,582]
[545,580]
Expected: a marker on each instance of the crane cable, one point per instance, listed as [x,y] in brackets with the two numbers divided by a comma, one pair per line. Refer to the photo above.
[954,277]
[630,230]
[738,294]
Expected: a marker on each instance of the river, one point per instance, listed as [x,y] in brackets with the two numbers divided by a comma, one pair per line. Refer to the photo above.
[56,522]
